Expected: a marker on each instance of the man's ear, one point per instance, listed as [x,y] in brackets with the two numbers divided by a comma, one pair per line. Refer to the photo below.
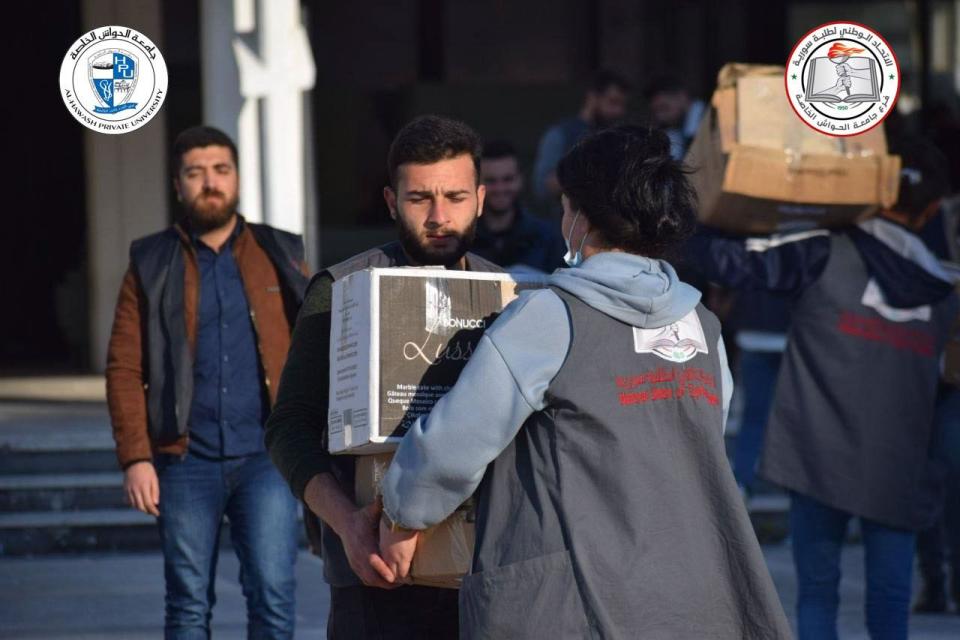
[176,187]
[481,195]
[390,197]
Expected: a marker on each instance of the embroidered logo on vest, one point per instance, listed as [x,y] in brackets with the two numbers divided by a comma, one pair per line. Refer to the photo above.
[679,341]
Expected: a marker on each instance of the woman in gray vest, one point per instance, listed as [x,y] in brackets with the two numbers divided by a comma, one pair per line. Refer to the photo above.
[591,418]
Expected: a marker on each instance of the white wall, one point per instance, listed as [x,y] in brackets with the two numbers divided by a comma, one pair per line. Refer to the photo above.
[256,66]
[126,178]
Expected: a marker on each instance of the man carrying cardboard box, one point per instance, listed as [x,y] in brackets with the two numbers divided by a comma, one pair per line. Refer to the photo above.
[853,410]
[435,197]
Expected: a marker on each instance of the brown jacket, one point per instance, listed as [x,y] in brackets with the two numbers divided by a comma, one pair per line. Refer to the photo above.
[126,377]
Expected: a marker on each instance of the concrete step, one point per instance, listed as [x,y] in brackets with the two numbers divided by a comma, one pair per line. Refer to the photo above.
[769,503]
[56,462]
[769,506]
[770,515]
[30,533]
[61,492]
[43,438]
[122,529]
[86,518]
[81,388]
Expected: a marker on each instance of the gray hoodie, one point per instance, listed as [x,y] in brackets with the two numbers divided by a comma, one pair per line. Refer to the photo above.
[444,455]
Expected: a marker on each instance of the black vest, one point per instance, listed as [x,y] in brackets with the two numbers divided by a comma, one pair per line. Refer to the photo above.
[158,262]
[852,414]
[614,513]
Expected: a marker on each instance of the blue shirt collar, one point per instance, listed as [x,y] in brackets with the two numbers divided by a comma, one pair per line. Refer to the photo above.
[195,237]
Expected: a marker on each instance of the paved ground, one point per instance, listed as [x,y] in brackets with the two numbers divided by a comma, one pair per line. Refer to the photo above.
[114,596]
[120,596]
[852,589]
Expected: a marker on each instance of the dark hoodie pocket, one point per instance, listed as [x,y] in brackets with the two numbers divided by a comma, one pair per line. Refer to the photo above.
[536,598]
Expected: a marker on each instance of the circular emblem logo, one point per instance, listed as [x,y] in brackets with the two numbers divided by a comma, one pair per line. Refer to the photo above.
[842,79]
[113,80]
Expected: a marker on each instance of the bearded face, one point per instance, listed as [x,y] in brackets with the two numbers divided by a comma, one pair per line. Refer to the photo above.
[436,207]
[210,209]
[435,247]
[208,187]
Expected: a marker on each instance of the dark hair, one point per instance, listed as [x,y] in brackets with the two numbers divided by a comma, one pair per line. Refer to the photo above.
[604,79]
[200,136]
[924,178]
[498,149]
[430,139]
[636,196]
[663,84]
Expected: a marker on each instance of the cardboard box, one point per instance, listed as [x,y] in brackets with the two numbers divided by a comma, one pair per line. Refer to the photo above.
[759,169]
[398,341]
[444,552]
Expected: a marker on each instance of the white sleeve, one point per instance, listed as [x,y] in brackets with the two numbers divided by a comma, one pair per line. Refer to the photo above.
[726,380]
[442,458]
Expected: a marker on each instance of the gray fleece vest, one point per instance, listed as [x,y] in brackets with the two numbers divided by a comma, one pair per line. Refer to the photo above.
[852,415]
[336,568]
[614,513]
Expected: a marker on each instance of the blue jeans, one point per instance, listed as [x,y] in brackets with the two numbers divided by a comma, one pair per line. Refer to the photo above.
[195,494]
[758,372]
[818,532]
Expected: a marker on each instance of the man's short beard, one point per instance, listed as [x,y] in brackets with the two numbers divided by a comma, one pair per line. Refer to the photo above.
[422,255]
[208,218]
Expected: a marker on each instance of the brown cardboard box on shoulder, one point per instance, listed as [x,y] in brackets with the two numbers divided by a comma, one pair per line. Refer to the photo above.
[445,551]
[759,169]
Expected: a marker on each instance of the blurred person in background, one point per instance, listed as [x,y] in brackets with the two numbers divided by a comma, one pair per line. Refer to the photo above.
[604,105]
[507,233]
[853,414]
[761,319]
[672,109]
[939,545]
[201,332]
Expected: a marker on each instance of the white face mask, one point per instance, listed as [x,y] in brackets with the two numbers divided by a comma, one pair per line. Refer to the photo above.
[576,259]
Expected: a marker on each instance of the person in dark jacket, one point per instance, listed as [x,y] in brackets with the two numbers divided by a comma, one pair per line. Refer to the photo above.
[852,416]
[200,334]
[435,197]
[604,105]
[761,319]
[591,419]
[508,234]
[939,545]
